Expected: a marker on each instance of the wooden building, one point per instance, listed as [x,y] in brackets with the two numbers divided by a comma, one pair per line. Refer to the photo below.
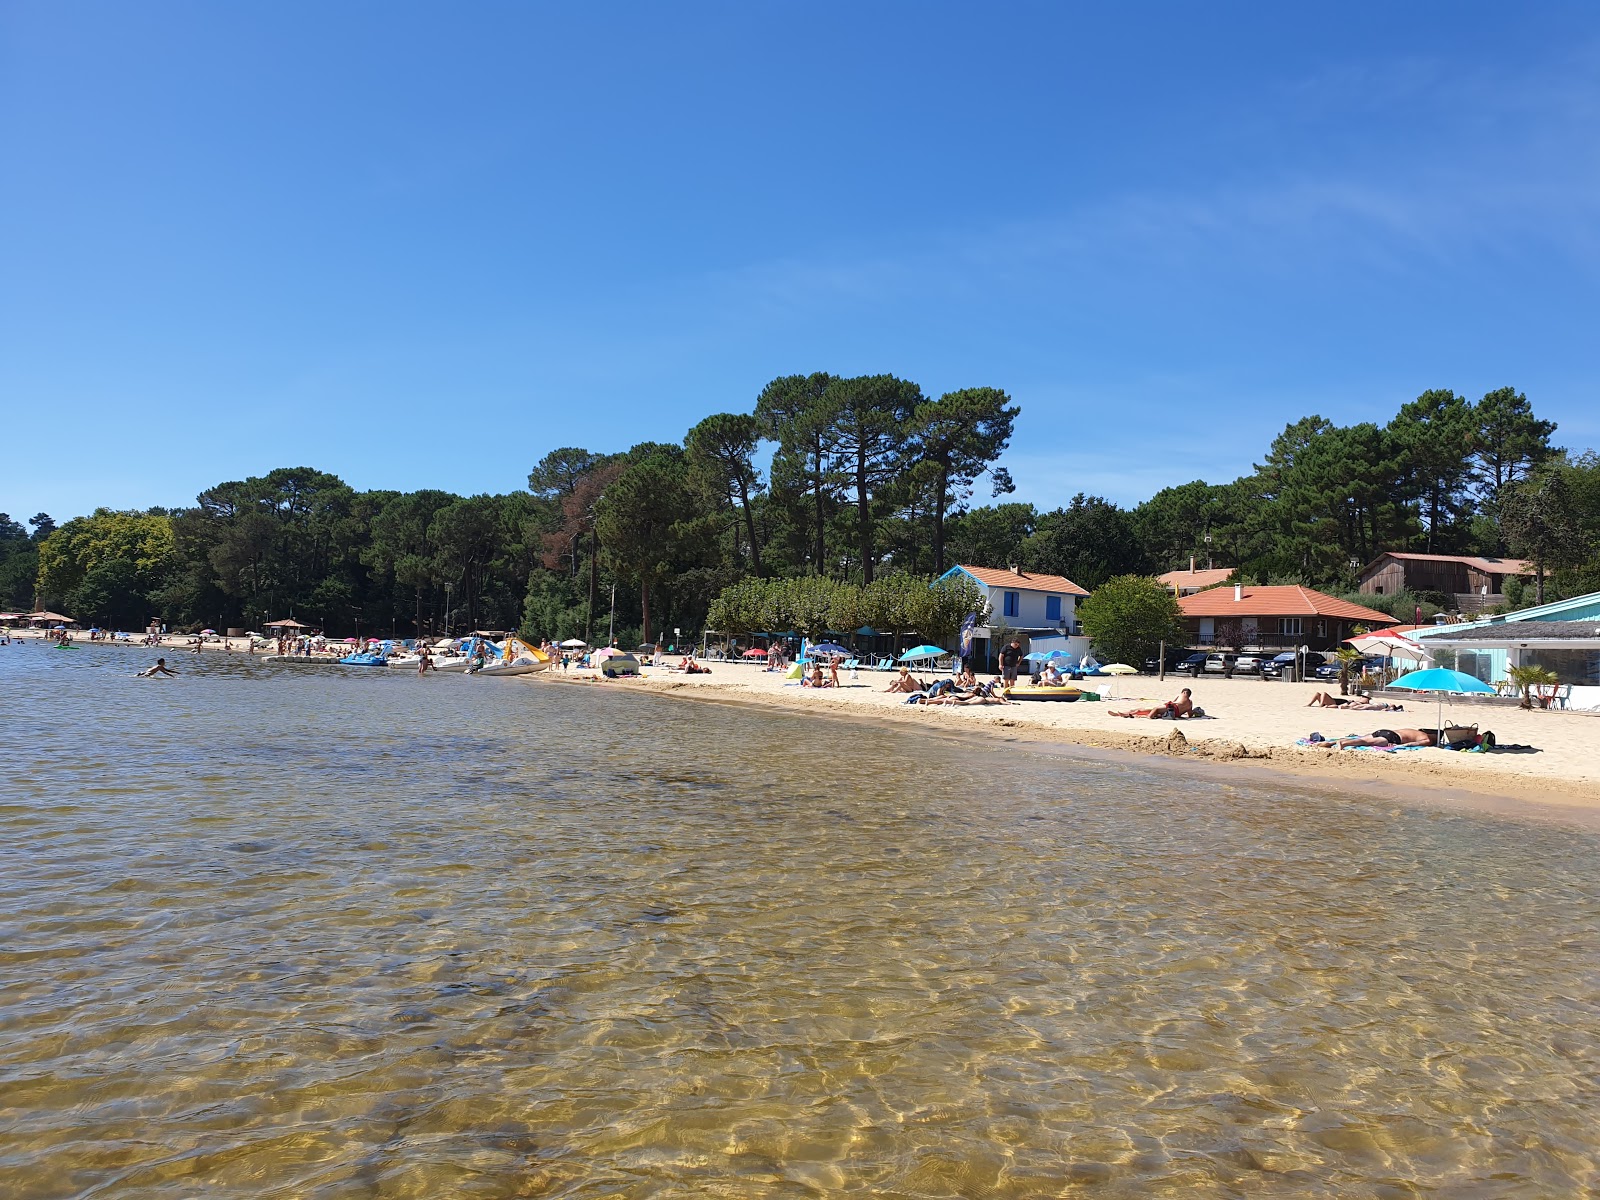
[1468,579]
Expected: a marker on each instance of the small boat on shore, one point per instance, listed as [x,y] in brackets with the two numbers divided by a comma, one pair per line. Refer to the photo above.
[1068,694]
[516,658]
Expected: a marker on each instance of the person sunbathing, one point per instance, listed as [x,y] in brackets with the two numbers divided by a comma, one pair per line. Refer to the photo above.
[1356,703]
[904,682]
[1383,738]
[1180,706]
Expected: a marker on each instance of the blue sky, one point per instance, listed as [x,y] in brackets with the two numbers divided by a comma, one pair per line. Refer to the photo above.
[345,236]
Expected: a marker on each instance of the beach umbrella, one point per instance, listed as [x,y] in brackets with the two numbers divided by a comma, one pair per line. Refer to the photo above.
[1035,656]
[574,644]
[208,631]
[867,631]
[1119,669]
[1390,645]
[755,652]
[918,652]
[1443,682]
[830,648]
[608,652]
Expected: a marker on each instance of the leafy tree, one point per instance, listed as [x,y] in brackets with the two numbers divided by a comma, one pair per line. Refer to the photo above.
[1542,523]
[1129,616]
[957,437]
[643,520]
[799,412]
[1089,541]
[1508,443]
[945,604]
[19,565]
[467,534]
[721,446]
[894,603]
[992,536]
[142,542]
[43,526]
[401,549]
[112,594]
[1434,436]
[870,423]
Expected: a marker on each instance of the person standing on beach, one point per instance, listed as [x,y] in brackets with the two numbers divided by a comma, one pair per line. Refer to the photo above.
[1010,660]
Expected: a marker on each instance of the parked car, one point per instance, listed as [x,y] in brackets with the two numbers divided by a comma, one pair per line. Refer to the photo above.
[1175,658]
[1330,668]
[1192,665]
[1218,664]
[1283,664]
[1248,664]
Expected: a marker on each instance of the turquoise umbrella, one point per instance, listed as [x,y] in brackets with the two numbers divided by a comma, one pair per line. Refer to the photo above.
[917,652]
[1444,682]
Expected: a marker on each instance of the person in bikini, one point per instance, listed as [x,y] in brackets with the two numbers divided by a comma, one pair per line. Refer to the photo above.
[1357,703]
[1180,706]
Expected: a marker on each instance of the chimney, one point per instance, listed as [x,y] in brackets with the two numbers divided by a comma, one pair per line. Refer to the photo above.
[1016,570]
[1238,592]
[1191,564]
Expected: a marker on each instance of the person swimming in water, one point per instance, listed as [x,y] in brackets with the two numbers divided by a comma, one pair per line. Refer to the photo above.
[160,668]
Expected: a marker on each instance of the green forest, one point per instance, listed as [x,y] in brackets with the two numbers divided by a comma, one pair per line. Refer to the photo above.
[855,479]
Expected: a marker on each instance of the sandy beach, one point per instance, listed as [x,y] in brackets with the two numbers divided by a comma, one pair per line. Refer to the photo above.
[1249,722]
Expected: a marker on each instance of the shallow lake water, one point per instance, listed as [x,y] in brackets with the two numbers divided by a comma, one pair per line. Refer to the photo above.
[288,932]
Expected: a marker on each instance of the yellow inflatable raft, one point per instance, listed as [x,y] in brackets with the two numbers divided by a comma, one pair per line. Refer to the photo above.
[1027,692]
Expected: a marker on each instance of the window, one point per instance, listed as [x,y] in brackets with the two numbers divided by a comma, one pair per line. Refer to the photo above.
[1580,667]
[1289,626]
[1052,608]
[1477,663]
[1011,604]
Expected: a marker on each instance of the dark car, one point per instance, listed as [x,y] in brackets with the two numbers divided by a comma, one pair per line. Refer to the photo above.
[1330,668]
[1283,664]
[1192,665]
[1152,665]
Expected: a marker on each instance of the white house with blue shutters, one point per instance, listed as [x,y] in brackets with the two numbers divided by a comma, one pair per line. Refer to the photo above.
[1043,608]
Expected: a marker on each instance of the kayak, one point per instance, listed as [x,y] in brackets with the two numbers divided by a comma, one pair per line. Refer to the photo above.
[1043,693]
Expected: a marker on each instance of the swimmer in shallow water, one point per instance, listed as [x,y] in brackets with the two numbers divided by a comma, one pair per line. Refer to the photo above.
[160,668]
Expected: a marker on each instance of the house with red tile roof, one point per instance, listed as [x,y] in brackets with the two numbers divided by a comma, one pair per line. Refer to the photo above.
[1278,617]
[1186,583]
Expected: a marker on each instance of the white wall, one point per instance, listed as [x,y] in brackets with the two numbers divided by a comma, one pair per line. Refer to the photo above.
[1030,609]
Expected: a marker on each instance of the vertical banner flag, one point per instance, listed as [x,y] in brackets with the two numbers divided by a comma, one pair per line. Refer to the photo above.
[966,634]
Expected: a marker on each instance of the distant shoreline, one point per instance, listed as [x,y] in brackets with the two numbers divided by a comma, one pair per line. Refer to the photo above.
[1211,749]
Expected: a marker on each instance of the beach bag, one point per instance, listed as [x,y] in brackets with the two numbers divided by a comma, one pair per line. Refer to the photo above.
[1460,735]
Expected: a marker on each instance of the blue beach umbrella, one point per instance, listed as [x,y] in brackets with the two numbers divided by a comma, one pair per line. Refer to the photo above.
[917,652]
[1441,679]
[830,648]
[1444,682]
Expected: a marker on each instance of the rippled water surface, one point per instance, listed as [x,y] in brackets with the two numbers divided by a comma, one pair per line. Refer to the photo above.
[278,932]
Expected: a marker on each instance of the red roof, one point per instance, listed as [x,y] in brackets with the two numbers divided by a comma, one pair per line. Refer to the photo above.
[1276,601]
[1490,566]
[1203,578]
[1007,578]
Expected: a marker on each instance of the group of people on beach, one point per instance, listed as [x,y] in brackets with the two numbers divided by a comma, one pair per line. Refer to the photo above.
[962,688]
